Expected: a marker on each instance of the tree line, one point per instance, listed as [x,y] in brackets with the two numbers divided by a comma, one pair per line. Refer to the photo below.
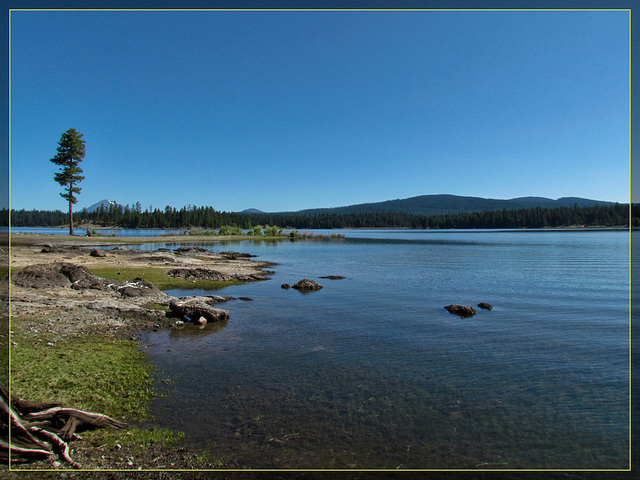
[71,152]
[127,216]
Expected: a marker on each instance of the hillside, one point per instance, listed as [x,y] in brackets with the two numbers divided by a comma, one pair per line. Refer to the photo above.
[450,204]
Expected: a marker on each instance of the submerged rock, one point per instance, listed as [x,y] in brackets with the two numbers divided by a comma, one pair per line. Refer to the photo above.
[285,286]
[334,277]
[463,311]
[306,285]
[485,306]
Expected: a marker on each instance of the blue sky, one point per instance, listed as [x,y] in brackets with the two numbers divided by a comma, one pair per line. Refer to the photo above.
[285,110]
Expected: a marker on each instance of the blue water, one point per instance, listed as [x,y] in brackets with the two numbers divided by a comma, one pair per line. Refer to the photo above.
[372,372]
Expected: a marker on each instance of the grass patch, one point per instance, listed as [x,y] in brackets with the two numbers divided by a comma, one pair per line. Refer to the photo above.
[158,276]
[137,438]
[4,350]
[97,374]
[157,306]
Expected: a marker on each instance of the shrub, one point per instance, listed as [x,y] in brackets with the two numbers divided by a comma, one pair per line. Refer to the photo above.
[273,231]
[227,230]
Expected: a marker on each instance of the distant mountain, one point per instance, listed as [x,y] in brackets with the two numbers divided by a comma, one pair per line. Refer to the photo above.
[251,210]
[450,204]
[96,206]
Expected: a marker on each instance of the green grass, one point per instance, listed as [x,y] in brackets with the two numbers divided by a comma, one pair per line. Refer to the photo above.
[97,374]
[157,306]
[141,438]
[158,276]
[4,350]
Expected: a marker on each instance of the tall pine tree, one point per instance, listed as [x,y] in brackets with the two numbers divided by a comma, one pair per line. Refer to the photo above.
[70,153]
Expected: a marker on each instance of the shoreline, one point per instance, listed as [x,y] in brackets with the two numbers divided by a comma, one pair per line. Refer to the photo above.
[51,319]
[231,237]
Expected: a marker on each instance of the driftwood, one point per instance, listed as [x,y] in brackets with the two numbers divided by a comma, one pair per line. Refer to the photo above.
[35,431]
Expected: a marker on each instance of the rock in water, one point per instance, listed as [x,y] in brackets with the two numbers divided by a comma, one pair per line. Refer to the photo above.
[306,285]
[463,311]
[485,306]
[197,310]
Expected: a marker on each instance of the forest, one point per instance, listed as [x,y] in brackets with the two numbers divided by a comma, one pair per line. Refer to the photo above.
[118,216]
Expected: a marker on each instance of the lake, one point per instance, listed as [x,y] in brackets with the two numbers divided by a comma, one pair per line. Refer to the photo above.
[372,371]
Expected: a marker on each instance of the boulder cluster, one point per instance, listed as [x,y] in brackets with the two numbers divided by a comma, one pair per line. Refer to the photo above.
[466,311]
[304,285]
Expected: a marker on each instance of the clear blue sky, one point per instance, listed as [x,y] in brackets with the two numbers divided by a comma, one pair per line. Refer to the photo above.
[291,110]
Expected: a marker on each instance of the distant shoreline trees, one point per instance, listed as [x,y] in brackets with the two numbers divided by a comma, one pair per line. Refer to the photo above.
[118,216]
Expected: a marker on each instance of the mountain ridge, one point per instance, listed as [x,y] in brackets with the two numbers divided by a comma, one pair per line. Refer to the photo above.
[443,204]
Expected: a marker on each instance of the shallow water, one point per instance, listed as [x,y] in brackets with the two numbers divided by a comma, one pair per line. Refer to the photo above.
[372,372]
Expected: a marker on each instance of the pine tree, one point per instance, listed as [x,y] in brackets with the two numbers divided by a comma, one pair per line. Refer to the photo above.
[70,153]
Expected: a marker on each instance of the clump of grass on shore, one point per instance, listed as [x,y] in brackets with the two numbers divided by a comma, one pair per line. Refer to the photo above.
[4,350]
[159,277]
[96,374]
[138,438]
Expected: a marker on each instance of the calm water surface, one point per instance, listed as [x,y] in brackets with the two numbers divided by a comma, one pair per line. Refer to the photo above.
[372,372]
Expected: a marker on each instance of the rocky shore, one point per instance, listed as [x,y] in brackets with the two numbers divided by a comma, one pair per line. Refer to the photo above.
[53,279]
[56,297]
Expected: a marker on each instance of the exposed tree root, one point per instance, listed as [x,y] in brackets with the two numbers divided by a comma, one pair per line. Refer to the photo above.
[35,431]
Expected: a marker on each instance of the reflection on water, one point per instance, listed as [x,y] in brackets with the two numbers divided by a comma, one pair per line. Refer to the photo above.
[372,372]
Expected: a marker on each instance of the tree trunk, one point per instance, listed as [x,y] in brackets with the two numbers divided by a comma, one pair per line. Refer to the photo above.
[70,218]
